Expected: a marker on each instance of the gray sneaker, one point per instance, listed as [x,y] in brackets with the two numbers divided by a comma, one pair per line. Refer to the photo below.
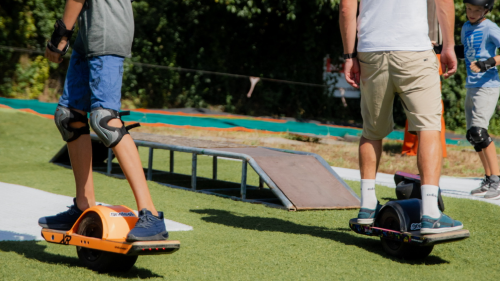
[483,188]
[494,191]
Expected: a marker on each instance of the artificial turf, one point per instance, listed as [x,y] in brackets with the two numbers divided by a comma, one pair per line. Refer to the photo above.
[231,240]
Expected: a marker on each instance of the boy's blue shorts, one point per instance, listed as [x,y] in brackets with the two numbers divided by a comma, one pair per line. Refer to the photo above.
[93,82]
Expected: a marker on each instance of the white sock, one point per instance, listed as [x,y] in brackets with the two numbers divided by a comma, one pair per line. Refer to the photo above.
[430,201]
[368,196]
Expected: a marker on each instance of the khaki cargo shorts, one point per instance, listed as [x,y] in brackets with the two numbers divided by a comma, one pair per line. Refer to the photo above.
[414,76]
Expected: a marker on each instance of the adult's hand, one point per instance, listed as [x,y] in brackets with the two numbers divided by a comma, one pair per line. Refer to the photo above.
[53,56]
[351,72]
[448,62]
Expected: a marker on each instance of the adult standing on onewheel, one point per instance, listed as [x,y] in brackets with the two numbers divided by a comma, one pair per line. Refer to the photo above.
[93,84]
[394,56]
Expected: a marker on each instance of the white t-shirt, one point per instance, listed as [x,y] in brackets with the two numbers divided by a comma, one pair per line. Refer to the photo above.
[393,25]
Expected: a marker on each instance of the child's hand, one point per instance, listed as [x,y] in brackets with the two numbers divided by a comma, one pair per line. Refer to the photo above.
[474,67]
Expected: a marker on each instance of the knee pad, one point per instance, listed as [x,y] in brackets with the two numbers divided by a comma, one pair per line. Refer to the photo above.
[109,135]
[64,117]
[479,138]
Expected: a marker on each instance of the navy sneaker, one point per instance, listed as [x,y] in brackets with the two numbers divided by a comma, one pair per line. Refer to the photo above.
[439,225]
[62,221]
[148,228]
[366,216]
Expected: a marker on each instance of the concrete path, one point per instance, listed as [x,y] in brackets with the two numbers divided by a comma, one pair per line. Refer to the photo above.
[450,186]
[22,206]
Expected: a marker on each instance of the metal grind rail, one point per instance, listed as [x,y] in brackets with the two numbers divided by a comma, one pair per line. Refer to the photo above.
[263,178]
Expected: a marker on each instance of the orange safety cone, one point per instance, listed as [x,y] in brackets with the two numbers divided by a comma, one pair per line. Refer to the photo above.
[410,143]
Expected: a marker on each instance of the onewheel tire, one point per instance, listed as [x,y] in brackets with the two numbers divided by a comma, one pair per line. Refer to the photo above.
[390,220]
[101,261]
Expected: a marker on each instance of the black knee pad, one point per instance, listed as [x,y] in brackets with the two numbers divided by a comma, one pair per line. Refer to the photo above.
[109,135]
[479,138]
[64,116]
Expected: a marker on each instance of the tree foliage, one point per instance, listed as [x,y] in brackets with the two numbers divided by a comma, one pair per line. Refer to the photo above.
[280,39]
[276,39]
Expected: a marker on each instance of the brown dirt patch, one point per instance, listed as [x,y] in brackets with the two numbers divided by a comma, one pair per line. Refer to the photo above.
[461,161]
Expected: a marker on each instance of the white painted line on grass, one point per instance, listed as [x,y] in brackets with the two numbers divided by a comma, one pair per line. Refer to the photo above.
[450,186]
[21,207]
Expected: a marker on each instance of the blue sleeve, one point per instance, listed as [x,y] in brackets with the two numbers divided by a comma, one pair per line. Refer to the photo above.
[462,34]
[494,35]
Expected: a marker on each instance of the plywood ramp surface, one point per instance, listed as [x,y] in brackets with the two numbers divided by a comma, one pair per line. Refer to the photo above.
[302,178]
[183,141]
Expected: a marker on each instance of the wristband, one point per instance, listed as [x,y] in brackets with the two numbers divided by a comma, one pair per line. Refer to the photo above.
[60,31]
[350,56]
[486,65]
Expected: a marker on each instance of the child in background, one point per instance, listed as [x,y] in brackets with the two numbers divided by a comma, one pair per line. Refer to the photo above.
[481,38]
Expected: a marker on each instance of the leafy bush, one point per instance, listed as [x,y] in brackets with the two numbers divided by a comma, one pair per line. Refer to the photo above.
[279,39]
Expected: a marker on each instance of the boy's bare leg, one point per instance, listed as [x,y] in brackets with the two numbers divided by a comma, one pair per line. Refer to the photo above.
[81,163]
[429,157]
[490,155]
[487,170]
[370,152]
[131,165]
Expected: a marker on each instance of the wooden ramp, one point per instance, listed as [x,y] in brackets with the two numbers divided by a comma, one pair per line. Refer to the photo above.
[302,179]
[295,180]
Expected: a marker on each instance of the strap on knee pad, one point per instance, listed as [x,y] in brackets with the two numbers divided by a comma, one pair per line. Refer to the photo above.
[109,135]
[479,138]
[63,118]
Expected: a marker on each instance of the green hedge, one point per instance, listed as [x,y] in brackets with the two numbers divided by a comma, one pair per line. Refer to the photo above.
[277,39]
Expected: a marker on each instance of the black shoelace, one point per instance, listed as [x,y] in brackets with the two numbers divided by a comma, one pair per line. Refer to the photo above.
[70,212]
[145,221]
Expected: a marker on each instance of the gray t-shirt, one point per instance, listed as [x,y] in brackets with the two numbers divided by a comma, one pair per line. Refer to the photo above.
[106,27]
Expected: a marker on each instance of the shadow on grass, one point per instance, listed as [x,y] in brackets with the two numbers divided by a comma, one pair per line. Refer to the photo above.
[342,235]
[392,148]
[35,250]
[389,198]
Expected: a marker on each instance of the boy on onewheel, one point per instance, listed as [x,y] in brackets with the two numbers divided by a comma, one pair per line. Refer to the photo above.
[93,84]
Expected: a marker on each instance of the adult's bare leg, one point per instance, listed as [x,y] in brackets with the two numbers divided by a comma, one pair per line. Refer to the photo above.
[370,152]
[490,155]
[369,158]
[81,163]
[429,157]
[130,162]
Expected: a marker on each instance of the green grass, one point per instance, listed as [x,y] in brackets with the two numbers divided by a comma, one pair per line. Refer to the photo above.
[231,240]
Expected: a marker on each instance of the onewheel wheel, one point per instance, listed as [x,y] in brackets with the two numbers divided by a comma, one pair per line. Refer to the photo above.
[91,226]
[390,220]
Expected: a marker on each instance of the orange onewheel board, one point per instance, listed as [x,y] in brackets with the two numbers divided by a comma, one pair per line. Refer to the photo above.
[117,221]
